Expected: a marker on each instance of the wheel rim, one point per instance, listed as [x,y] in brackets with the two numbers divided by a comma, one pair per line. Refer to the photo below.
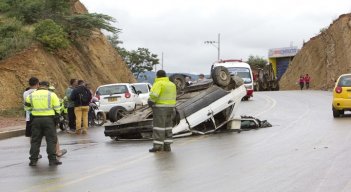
[223,75]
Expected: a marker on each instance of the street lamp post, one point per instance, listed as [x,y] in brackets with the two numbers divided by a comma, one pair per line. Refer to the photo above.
[216,44]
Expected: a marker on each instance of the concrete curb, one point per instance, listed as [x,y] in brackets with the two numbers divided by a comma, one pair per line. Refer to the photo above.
[12,132]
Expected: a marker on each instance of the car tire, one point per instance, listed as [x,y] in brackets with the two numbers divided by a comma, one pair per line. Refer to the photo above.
[336,113]
[221,76]
[179,81]
[100,119]
[116,113]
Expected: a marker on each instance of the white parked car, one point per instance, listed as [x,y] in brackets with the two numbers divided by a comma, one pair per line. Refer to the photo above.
[116,99]
[143,90]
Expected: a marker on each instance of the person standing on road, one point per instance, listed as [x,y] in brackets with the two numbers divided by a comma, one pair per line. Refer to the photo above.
[162,100]
[59,152]
[81,97]
[70,105]
[301,81]
[43,105]
[307,79]
[201,78]
[33,86]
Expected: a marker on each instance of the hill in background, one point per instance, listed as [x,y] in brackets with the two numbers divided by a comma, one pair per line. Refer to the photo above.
[92,59]
[324,57]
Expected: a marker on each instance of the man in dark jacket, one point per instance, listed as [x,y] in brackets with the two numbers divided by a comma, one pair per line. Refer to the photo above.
[70,105]
[81,97]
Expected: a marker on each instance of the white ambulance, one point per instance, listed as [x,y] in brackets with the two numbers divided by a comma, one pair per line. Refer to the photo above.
[242,69]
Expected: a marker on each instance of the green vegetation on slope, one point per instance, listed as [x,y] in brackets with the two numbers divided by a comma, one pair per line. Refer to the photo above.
[49,22]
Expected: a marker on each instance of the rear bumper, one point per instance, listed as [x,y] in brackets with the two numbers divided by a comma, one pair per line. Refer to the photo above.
[129,106]
[342,104]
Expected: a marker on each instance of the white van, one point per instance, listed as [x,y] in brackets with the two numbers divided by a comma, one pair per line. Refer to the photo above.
[242,69]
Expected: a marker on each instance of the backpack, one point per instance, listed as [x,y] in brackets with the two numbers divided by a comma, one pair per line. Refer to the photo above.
[84,96]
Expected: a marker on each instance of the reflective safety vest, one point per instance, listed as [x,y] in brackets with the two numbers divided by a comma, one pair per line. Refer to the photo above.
[42,103]
[163,93]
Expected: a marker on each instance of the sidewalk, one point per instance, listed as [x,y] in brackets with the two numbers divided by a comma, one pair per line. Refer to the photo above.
[13,131]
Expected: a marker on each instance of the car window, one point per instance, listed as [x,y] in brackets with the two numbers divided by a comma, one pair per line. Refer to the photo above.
[345,81]
[133,89]
[143,88]
[112,89]
[242,72]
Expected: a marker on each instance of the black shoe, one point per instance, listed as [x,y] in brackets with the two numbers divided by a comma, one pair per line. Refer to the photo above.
[54,163]
[167,148]
[154,150]
[33,163]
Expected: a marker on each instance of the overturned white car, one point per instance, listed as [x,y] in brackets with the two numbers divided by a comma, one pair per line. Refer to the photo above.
[202,108]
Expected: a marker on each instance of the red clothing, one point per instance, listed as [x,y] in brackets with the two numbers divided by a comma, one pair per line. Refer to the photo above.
[307,79]
[302,80]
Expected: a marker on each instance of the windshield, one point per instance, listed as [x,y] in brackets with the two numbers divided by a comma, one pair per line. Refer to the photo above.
[242,72]
[141,87]
[345,81]
[112,89]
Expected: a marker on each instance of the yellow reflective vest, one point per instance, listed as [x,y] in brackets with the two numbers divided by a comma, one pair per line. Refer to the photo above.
[163,93]
[42,103]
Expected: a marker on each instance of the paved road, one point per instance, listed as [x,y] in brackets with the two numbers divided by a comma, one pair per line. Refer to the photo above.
[305,150]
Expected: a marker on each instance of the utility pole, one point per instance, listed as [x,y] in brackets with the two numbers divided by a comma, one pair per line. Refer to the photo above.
[216,44]
[162,61]
[219,46]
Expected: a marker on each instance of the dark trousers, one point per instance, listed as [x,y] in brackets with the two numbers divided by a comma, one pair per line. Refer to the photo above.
[43,126]
[71,118]
[301,85]
[162,126]
[28,132]
[307,85]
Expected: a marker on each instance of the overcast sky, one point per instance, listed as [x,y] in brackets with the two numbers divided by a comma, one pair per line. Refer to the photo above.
[178,28]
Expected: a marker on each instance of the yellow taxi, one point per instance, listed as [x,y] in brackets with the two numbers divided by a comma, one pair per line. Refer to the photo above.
[342,95]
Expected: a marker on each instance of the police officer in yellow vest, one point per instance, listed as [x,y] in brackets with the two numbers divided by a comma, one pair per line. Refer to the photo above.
[43,105]
[162,100]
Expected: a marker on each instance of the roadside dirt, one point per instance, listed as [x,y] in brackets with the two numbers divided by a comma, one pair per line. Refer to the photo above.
[11,122]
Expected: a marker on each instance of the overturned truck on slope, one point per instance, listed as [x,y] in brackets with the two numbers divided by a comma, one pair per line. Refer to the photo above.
[203,107]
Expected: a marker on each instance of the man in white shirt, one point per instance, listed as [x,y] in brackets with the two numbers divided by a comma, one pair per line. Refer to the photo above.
[34,84]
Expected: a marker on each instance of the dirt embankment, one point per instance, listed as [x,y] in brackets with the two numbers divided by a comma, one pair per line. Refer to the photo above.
[91,59]
[323,57]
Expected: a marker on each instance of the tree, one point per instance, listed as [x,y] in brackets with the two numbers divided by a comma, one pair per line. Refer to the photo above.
[83,24]
[115,41]
[51,34]
[256,61]
[139,61]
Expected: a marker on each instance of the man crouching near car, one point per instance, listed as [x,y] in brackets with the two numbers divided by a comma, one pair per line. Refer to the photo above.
[162,100]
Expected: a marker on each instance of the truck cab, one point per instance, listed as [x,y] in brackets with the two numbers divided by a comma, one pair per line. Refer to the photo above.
[241,69]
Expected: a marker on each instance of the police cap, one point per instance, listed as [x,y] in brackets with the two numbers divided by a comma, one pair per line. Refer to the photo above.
[44,84]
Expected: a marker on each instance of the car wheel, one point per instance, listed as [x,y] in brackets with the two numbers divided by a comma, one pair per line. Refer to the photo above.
[116,113]
[178,80]
[221,76]
[100,119]
[336,113]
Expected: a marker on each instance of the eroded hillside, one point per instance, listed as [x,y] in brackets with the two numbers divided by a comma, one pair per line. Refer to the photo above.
[323,57]
[92,59]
